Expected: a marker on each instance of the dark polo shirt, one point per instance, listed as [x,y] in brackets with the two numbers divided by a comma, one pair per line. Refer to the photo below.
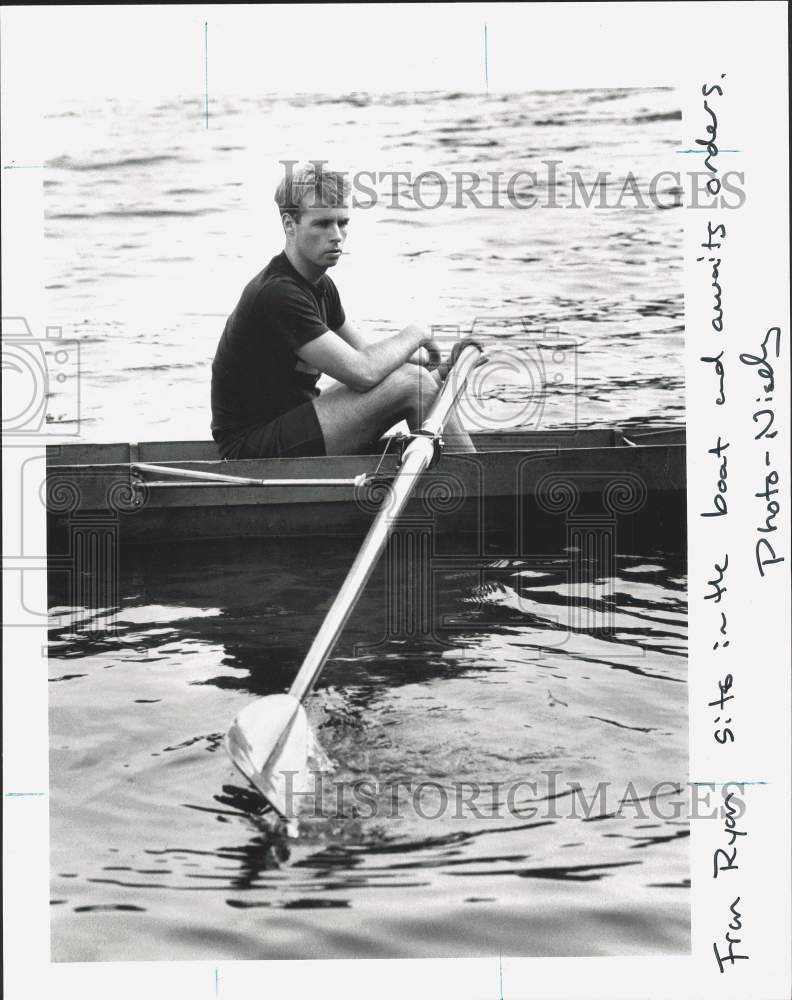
[256,373]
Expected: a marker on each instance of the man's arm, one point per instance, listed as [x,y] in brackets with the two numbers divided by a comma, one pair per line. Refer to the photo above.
[348,333]
[361,367]
[355,339]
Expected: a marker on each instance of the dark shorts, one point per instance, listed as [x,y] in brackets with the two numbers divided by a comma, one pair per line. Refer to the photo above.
[293,434]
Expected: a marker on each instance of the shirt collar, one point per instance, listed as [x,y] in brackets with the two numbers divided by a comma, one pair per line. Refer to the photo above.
[286,265]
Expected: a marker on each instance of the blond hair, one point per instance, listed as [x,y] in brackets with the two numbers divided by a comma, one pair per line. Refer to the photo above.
[329,188]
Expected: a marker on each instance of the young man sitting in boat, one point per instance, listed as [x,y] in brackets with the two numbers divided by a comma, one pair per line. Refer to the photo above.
[289,327]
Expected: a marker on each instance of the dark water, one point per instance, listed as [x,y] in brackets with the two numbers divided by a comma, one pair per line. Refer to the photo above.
[159,850]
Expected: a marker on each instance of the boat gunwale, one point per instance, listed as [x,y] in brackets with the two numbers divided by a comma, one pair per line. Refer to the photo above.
[620,442]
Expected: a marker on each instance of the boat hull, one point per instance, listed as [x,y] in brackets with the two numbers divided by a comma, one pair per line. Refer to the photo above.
[520,490]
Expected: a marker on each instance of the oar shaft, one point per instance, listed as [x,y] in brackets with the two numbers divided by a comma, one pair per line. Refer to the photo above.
[196,478]
[416,458]
[209,477]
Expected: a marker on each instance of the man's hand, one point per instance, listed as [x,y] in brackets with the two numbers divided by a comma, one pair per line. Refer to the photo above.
[445,367]
[432,353]
[428,354]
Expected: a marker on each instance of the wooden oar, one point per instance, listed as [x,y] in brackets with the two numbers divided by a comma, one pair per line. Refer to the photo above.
[270,741]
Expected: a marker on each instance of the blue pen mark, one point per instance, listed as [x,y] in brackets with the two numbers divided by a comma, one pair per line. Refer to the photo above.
[19,795]
[702,152]
[486,60]
[206,72]
[500,974]
[23,166]
[217,983]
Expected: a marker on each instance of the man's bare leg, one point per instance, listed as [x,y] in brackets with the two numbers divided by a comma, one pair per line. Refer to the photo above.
[351,421]
[454,434]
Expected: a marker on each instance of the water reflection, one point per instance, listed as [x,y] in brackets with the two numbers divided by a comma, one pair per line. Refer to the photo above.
[523,748]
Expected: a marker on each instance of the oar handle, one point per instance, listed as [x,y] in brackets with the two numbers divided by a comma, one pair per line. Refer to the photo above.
[466,360]
[415,460]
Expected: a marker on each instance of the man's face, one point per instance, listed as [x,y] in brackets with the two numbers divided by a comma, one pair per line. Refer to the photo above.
[319,235]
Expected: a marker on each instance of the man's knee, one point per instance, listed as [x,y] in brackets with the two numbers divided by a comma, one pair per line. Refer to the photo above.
[416,382]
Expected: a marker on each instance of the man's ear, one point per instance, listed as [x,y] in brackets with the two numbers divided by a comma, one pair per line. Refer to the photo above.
[288,223]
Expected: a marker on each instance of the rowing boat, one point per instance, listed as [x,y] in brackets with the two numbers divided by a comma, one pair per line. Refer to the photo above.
[525,484]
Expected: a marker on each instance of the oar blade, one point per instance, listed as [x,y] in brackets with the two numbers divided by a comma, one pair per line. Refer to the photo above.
[271,743]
